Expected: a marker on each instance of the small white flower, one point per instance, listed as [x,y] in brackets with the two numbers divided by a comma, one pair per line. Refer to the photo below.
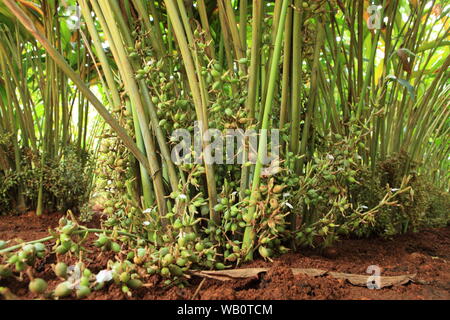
[330,157]
[289,205]
[148,210]
[146,223]
[286,194]
[104,276]
[182,196]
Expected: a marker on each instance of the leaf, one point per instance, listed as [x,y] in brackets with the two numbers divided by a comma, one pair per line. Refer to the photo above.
[385,281]
[309,272]
[409,87]
[226,275]
[403,55]
[354,279]
[406,84]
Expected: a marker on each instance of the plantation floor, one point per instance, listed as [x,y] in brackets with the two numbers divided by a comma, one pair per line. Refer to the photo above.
[426,253]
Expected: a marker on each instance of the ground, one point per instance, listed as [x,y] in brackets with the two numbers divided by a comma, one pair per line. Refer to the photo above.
[426,254]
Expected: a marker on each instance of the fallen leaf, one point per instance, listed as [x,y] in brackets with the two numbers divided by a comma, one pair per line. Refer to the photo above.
[226,275]
[385,281]
[309,272]
[354,279]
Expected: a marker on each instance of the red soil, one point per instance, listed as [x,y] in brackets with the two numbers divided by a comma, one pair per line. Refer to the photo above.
[426,253]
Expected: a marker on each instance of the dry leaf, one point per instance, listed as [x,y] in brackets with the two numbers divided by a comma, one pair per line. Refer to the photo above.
[385,281]
[354,279]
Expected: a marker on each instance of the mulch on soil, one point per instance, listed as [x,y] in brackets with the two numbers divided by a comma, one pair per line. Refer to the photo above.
[426,253]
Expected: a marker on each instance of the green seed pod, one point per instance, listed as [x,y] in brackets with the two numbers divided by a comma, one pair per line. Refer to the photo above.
[20,266]
[5,272]
[134,55]
[175,270]
[185,254]
[109,210]
[62,290]
[84,281]
[217,67]
[135,284]
[264,252]
[102,240]
[29,249]
[351,180]
[220,266]
[37,286]
[83,292]
[68,229]
[115,247]
[177,224]
[168,259]
[165,272]
[243,61]
[130,255]
[162,122]
[125,290]
[124,277]
[75,247]
[229,112]
[39,247]
[215,73]
[181,262]
[191,236]
[23,255]
[199,246]
[232,257]
[163,251]
[216,85]
[334,190]
[61,270]
[62,249]
[63,221]
[152,270]
[247,217]
[182,242]
[13,259]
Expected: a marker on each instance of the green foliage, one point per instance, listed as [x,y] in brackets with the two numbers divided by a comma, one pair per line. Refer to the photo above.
[66,182]
[340,196]
[363,114]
